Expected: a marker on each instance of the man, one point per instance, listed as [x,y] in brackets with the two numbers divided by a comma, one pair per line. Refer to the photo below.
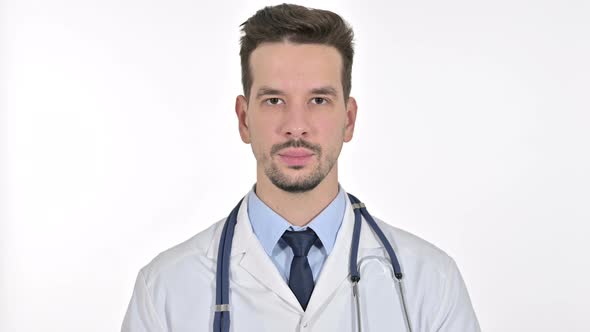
[290,252]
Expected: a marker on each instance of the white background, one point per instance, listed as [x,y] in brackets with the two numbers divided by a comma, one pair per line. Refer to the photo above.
[119,140]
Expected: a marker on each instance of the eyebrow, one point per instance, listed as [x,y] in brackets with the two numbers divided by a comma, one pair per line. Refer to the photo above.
[324,90]
[264,91]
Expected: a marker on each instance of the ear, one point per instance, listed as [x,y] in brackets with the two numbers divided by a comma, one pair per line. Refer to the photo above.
[351,108]
[242,114]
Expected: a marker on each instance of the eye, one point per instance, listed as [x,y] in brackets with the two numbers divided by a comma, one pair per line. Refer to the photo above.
[274,101]
[319,100]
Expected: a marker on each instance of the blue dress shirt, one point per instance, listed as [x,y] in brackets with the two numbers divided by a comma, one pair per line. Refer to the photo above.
[269,227]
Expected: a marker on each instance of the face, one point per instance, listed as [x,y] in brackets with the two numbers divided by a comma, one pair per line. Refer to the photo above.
[296,118]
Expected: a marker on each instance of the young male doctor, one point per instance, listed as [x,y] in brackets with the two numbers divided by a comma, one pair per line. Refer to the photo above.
[290,251]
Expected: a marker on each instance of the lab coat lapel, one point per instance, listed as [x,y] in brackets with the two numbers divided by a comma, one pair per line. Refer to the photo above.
[256,262]
[335,269]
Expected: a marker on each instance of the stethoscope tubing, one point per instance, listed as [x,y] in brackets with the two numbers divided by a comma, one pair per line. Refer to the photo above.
[355,276]
[221,320]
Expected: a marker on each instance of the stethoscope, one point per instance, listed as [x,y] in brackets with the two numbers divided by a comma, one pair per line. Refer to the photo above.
[221,320]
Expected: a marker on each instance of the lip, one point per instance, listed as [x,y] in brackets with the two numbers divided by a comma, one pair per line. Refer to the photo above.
[296,156]
[295,153]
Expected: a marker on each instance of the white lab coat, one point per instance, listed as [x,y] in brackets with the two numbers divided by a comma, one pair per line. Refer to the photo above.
[176,291]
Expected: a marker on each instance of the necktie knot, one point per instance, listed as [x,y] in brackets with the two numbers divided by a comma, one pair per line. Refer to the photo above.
[300,242]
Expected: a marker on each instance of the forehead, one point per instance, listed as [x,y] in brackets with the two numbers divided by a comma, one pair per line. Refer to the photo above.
[288,65]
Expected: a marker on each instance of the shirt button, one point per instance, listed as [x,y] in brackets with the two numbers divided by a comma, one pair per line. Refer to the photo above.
[305,325]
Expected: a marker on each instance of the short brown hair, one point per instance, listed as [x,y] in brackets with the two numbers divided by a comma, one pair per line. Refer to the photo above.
[296,24]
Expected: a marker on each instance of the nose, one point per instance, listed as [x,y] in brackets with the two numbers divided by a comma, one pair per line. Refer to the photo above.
[296,132]
[296,124]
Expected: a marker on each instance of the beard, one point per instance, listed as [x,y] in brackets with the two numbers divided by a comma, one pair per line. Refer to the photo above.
[302,183]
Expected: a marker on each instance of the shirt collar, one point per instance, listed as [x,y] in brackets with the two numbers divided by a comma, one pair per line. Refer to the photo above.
[270,226]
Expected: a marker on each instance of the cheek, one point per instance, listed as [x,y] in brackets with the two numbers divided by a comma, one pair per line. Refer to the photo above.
[260,141]
[262,126]
[333,127]
[333,132]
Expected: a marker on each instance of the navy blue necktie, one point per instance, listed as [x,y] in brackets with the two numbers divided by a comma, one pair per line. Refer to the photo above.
[301,277]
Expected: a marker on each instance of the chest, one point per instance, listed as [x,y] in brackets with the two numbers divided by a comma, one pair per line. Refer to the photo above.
[256,308]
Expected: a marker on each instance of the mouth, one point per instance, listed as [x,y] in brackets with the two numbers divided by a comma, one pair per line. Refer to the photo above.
[296,156]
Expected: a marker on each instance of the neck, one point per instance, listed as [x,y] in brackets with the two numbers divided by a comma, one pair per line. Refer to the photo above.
[298,208]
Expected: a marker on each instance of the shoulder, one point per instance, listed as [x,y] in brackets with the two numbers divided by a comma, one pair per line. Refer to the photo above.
[178,277]
[416,251]
[433,283]
[192,251]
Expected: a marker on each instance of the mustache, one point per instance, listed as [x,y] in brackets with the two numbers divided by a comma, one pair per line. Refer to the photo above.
[299,143]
